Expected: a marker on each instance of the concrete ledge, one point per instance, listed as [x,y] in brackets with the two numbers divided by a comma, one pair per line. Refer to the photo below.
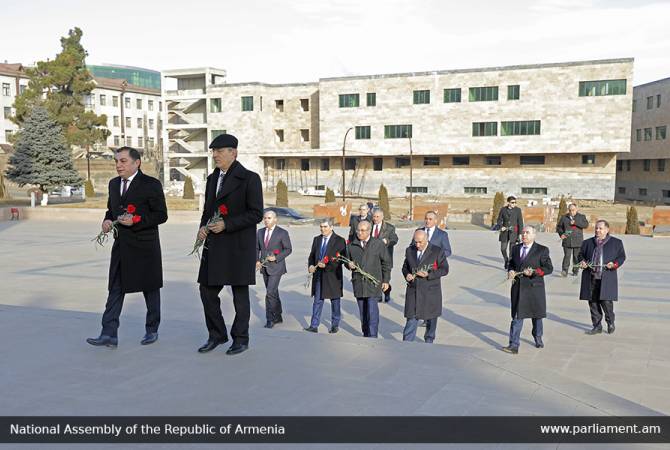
[85,214]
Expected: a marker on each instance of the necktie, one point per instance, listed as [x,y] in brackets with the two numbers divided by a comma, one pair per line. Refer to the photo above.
[267,238]
[419,255]
[524,250]
[125,187]
[377,231]
[428,234]
[363,244]
[322,253]
[220,186]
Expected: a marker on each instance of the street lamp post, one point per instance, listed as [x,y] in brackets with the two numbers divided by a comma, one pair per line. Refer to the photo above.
[124,84]
[411,184]
[344,144]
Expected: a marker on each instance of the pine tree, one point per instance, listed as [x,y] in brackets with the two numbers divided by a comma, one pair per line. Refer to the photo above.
[330,196]
[632,222]
[88,189]
[384,202]
[282,194]
[562,209]
[41,156]
[498,203]
[189,193]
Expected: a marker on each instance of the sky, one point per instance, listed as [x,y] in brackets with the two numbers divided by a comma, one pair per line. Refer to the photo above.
[282,41]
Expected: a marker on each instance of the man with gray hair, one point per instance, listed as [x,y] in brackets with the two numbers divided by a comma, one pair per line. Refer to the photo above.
[383,230]
[570,229]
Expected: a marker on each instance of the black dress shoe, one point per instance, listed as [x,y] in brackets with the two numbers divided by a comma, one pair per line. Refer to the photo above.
[104,341]
[594,330]
[610,328]
[428,341]
[149,338]
[387,299]
[564,273]
[511,350]
[269,324]
[211,345]
[539,343]
[312,329]
[333,330]
[575,272]
[236,348]
[278,320]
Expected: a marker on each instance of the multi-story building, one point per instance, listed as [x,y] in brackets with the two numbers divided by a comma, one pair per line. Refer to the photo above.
[12,83]
[643,173]
[533,130]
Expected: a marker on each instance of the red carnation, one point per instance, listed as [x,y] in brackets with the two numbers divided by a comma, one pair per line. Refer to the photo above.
[223,209]
[539,272]
[435,265]
[136,219]
[276,252]
[130,209]
[574,227]
[337,254]
[326,259]
[616,265]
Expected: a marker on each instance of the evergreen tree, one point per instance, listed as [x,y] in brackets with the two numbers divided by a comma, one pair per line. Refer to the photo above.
[384,204]
[632,222]
[41,156]
[562,209]
[282,194]
[330,196]
[498,202]
[189,193]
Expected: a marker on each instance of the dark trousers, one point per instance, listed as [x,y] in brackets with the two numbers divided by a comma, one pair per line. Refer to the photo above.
[506,250]
[369,311]
[409,333]
[570,252]
[272,301]
[515,331]
[317,307]
[214,319]
[597,307]
[110,318]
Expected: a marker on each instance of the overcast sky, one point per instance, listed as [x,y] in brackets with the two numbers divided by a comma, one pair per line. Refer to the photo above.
[304,40]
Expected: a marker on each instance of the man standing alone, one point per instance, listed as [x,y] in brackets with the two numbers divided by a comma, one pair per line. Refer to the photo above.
[570,230]
[510,224]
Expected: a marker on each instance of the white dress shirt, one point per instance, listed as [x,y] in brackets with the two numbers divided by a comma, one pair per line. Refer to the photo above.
[130,180]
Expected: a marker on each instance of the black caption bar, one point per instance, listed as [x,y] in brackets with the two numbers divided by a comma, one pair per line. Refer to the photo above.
[428,429]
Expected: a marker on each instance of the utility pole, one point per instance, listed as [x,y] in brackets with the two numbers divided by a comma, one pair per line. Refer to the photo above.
[344,144]
[411,184]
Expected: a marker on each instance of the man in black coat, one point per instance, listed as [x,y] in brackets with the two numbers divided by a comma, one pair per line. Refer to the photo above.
[600,257]
[326,273]
[386,232]
[528,266]
[510,224]
[425,264]
[137,202]
[570,229]
[229,256]
[364,213]
[273,245]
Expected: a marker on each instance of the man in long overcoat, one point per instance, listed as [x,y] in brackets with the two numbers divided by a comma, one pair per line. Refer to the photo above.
[385,231]
[570,229]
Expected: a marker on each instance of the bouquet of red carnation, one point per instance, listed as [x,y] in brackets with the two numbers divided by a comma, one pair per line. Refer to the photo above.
[221,211]
[264,262]
[539,272]
[425,268]
[103,237]
[357,268]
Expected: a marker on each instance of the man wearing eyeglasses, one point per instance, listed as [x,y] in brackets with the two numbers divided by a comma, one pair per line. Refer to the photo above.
[510,224]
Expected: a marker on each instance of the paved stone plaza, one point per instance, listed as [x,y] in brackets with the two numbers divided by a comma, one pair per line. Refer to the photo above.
[54,288]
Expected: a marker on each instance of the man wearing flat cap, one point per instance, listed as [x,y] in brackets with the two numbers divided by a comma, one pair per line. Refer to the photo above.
[234,196]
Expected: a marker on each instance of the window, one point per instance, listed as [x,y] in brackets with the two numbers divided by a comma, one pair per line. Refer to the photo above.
[103,100]
[474,190]
[247,103]
[378,164]
[661,165]
[628,165]
[160,106]
[129,122]
[642,192]
[349,163]
[325,164]
[520,128]
[417,189]
[638,134]
[6,89]
[421,97]
[89,101]
[7,112]
[115,101]
[150,105]
[589,159]
[483,94]
[279,105]
[363,132]
[431,161]
[280,164]
[634,105]
[666,193]
[22,88]
[129,141]
[371,99]
[484,129]
[650,102]
[304,104]
[138,104]
[658,101]
[602,87]
[139,123]
[139,141]
[215,105]
[349,100]
[401,162]
[513,91]
[116,141]
[661,132]
[461,160]
[646,164]
[304,164]
[8,135]
[115,121]
[304,135]
[452,95]
[619,166]
[622,190]
[647,134]
[397,131]
[493,160]
[127,102]
[531,160]
[151,124]
[279,135]
[217,133]
[534,190]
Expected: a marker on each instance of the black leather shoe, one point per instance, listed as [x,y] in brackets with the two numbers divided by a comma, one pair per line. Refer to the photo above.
[236,348]
[333,330]
[149,338]
[312,329]
[539,343]
[428,341]
[278,320]
[104,341]
[564,273]
[575,272]
[269,324]
[610,328]
[594,330]
[387,299]
[511,350]
[211,345]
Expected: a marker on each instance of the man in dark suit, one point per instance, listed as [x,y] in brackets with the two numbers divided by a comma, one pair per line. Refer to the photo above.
[386,232]
[364,213]
[510,224]
[326,273]
[229,255]
[273,245]
[137,202]
[570,229]
[600,257]
[528,266]
[370,255]
[425,264]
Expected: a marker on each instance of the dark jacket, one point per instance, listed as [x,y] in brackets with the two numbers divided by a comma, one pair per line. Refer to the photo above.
[373,259]
[229,257]
[573,231]
[512,220]
[528,295]
[387,232]
[439,238]
[353,224]
[331,275]
[609,286]
[423,296]
[279,242]
[137,248]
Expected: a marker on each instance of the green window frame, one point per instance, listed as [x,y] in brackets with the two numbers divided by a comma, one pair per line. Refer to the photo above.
[661,132]
[421,97]
[371,99]
[647,134]
[248,103]
[349,100]
[452,95]
[483,94]
[397,131]
[513,92]
[484,129]
[217,133]
[363,132]
[599,88]
[520,128]
[534,190]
